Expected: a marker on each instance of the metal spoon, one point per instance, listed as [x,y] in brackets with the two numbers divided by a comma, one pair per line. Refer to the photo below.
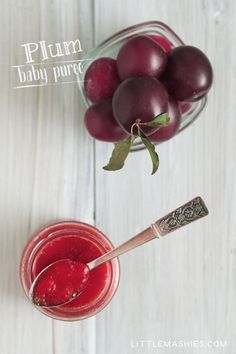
[181,216]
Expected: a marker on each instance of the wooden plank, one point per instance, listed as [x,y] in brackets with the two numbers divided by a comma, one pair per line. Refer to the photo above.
[181,287]
[19,112]
[47,170]
[73,148]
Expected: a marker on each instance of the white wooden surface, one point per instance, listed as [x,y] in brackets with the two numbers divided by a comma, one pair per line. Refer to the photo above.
[180,288]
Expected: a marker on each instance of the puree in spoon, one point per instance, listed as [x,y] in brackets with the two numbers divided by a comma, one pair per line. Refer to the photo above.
[59,283]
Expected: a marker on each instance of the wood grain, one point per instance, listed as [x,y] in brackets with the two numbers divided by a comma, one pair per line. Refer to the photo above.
[179,288]
[46,172]
[182,287]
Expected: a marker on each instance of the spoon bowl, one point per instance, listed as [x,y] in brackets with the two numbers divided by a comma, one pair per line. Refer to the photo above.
[59,283]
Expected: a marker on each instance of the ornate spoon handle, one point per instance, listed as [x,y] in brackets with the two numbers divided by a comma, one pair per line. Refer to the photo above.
[187,213]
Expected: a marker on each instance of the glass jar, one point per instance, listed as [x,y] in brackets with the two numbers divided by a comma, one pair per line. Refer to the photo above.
[110,48]
[77,241]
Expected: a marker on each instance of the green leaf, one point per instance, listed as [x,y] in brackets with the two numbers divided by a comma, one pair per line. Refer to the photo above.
[119,154]
[159,121]
[151,150]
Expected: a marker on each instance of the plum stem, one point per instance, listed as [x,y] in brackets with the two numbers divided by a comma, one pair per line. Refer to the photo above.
[137,124]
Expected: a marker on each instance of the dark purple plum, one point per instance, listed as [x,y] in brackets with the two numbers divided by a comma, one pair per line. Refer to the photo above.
[188,75]
[101,79]
[169,131]
[101,124]
[141,55]
[142,97]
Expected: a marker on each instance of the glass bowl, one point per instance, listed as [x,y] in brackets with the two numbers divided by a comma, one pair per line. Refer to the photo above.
[110,48]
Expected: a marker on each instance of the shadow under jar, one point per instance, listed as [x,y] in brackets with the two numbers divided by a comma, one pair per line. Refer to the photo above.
[77,241]
[110,48]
